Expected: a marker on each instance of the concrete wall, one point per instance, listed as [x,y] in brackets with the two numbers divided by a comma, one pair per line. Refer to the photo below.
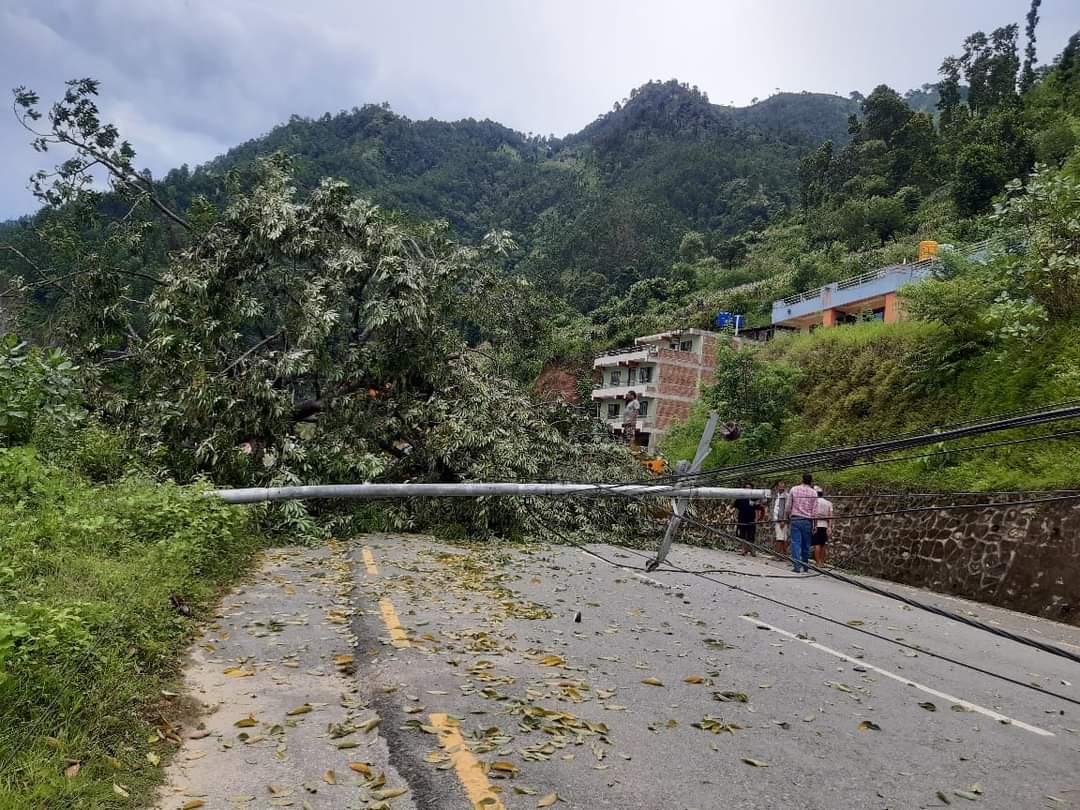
[1023,557]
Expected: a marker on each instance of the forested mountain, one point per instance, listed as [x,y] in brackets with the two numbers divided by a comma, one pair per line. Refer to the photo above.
[594,211]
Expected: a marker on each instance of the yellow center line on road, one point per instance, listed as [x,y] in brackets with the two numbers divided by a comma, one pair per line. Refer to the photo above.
[390,618]
[469,772]
[369,562]
[974,707]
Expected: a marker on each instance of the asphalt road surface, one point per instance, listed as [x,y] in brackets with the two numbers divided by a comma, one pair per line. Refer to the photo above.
[507,678]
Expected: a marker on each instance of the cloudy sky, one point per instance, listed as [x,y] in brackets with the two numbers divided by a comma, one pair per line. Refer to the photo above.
[186,79]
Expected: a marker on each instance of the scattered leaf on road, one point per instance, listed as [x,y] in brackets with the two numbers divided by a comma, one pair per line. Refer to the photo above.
[362,768]
[757,763]
[547,801]
[389,793]
[650,681]
[869,725]
[731,697]
[930,707]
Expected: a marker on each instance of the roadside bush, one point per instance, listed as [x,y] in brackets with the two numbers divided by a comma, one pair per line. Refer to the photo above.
[34,384]
[93,450]
[100,587]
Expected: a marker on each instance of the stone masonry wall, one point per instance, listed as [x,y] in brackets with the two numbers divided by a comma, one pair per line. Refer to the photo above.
[1025,558]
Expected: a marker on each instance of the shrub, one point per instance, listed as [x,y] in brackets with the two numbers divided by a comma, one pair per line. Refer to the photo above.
[34,384]
[88,627]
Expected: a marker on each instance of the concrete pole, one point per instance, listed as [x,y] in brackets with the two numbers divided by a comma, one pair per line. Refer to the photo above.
[480,490]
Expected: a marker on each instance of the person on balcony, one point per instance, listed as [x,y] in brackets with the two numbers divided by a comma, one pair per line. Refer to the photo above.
[630,416]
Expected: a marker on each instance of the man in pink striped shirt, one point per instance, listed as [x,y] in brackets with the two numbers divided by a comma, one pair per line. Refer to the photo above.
[801,510]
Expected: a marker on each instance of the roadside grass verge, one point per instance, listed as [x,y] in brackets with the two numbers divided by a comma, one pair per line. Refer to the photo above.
[95,586]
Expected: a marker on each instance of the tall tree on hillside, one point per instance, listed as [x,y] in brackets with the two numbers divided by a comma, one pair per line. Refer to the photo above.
[1027,74]
[990,67]
[1004,65]
[884,112]
[949,91]
[975,61]
[813,175]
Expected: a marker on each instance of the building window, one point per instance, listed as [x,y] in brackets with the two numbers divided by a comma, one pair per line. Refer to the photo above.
[674,345]
[686,346]
[644,408]
[613,410]
[616,378]
[596,410]
[645,374]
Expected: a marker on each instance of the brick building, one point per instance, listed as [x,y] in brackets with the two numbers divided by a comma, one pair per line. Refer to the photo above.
[665,370]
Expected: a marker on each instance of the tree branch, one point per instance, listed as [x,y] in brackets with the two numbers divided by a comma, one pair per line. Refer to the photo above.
[309,407]
[250,352]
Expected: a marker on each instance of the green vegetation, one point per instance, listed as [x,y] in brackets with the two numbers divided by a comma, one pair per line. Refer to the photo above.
[591,213]
[100,587]
[256,322]
[999,159]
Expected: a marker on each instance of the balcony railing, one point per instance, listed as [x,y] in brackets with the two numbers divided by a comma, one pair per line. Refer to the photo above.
[627,350]
[606,391]
[915,268]
[643,423]
[629,354]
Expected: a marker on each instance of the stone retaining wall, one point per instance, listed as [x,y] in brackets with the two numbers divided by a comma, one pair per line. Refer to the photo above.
[1021,557]
[1025,558]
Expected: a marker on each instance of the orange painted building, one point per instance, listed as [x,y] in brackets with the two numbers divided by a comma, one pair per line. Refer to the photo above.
[848,300]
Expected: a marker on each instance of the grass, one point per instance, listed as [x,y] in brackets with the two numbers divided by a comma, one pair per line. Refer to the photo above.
[90,630]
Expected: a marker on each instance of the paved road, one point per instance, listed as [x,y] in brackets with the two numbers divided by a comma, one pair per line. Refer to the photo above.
[474,660]
[274,716]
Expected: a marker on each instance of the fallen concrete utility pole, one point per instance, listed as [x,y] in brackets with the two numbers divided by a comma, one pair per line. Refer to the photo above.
[678,505]
[480,490]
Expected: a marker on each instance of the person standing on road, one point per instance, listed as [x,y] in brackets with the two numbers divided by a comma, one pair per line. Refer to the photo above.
[801,510]
[630,415]
[779,518]
[823,513]
[746,511]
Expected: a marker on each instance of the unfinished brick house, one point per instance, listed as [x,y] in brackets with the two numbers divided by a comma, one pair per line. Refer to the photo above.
[665,371]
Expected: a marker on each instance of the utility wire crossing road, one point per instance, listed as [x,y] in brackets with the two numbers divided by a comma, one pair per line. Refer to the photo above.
[565,676]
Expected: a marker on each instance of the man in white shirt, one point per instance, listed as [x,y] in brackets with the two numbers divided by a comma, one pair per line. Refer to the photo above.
[823,514]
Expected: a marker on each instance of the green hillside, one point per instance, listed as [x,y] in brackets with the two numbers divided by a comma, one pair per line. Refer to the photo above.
[983,336]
